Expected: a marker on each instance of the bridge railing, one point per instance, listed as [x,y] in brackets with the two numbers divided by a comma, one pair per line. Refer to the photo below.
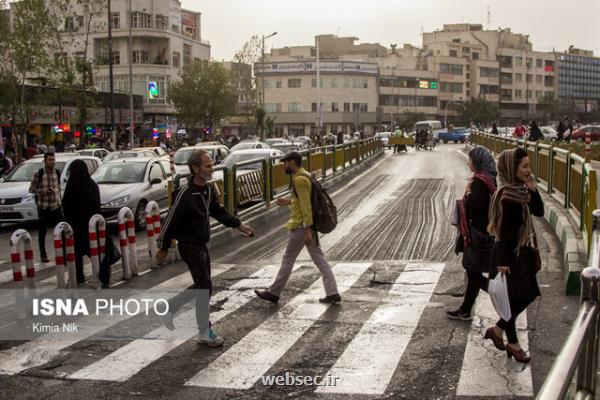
[567,177]
[580,352]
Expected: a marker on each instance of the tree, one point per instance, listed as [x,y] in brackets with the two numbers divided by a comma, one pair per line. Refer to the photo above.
[270,124]
[550,109]
[260,121]
[243,69]
[478,110]
[408,119]
[203,95]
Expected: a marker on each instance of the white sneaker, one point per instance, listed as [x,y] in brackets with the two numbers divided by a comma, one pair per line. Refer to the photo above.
[211,339]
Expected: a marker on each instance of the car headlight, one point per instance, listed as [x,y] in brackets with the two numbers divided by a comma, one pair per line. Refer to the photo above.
[28,198]
[117,202]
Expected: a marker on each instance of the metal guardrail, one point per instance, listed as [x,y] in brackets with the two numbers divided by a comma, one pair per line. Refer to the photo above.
[569,178]
[580,352]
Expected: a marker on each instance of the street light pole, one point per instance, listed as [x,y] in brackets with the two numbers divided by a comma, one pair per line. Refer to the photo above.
[319,109]
[262,93]
[130,58]
[110,78]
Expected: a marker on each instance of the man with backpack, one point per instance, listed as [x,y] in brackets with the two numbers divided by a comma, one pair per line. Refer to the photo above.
[303,231]
[46,187]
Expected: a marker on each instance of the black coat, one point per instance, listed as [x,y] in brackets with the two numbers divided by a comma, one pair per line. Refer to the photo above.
[522,282]
[79,205]
[476,257]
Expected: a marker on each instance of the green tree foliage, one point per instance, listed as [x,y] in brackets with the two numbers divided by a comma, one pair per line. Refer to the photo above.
[408,120]
[203,95]
[260,121]
[478,110]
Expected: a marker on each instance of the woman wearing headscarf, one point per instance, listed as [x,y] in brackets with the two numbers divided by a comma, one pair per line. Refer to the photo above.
[80,202]
[475,241]
[515,250]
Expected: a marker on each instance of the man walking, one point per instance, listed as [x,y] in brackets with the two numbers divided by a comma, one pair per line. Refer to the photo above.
[189,222]
[46,187]
[300,234]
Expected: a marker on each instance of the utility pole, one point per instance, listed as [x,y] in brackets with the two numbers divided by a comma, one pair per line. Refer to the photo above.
[319,108]
[110,78]
[130,58]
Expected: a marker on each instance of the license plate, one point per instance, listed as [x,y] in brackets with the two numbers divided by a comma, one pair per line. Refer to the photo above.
[6,209]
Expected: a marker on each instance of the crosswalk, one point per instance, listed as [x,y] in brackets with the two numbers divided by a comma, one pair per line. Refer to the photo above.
[364,364]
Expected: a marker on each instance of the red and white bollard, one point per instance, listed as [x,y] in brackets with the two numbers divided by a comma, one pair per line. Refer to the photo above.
[61,256]
[588,144]
[21,235]
[97,238]
[127,241]
[152,227]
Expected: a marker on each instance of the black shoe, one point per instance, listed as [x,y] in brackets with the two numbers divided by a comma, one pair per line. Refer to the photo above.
[459,314]
[45,259]
[80,281]
[105,286]
[334,298]
[265,295]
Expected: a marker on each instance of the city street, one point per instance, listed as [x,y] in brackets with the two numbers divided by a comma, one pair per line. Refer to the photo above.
[393,256]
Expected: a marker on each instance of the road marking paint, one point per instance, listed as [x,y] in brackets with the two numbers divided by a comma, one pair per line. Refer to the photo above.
[249,359]
[485,370]
[368,363]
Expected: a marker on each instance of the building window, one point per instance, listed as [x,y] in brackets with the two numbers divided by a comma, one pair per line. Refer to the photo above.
[176,59]
[268,83]
[529,78]
[538,94]
[518,93]
[333,83]
[141,20]
[466,50]
[69,24]
[161,22]
[485,72]
[115,20]
[273,107]
[452,69]
[488,89]
[475,56]
[346,107]
[116,57]
[518,61]
[140,57]
[539,63]
[187,54]
[447,87]
[518,77]
[294,107]
[295,83]
[278,84]
[313,82]
[360,107]
[538,79]
[313,107]
[346,83]
[529,94]
[453,53]
[335,107]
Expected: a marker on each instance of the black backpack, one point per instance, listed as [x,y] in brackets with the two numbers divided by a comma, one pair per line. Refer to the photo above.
[323,210]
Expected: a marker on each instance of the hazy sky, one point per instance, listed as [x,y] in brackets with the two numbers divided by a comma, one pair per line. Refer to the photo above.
[227,24]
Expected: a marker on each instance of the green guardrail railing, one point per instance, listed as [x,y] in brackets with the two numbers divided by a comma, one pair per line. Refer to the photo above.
[239,187]
[568,177]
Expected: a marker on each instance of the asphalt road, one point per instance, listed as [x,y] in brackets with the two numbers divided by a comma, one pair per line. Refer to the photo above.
[389,338]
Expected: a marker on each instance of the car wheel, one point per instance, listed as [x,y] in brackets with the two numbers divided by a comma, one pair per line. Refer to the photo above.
[140,216]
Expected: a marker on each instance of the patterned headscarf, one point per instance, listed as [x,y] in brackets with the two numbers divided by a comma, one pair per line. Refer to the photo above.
[483,161]
[511,189]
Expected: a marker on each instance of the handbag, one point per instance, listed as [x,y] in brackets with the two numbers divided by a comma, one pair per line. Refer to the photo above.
[455,220]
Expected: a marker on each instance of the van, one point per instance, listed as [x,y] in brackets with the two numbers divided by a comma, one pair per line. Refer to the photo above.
[434,126]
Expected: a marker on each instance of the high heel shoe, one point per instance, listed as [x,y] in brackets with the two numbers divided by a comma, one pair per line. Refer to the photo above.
[490,333]
[518,355]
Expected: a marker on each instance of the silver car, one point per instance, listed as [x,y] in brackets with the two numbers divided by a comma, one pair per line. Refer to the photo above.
[133,182]
[16,203]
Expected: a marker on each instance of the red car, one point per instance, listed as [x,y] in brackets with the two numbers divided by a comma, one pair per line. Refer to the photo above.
[579,134]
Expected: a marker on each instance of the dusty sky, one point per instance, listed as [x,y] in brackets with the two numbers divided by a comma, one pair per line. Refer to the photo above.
[227,24]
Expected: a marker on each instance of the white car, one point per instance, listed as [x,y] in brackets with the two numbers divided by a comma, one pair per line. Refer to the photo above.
[384,137]
[16,203]
[273,141]
[549,133]
[99,153]
[250,145]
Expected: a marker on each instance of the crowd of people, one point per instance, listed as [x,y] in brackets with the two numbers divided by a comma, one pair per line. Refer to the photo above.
[532,131]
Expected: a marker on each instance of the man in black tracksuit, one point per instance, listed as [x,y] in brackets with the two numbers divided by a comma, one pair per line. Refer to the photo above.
[189,222]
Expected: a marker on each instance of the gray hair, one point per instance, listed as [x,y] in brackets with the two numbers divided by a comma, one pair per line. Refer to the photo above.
[196,159]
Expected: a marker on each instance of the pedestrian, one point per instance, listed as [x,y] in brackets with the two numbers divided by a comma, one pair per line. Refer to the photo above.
[46,187]
[560,129]
[474,241]
[514,252]
[6,164]
[519,130]
[80,202]
[535,133]
[494,129]
[568,130]
[189,222]
[300,234]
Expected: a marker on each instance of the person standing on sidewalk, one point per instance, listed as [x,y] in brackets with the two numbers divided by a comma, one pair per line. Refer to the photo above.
[301,233]
[514,251]
[189,222]
[46,187]
[475,240]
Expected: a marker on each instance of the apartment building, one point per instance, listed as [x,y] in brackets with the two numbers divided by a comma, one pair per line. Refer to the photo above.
[165,37]
[579,79]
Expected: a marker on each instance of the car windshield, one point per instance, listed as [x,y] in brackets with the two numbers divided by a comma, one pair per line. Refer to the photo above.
[25,171]
[118,156]
[238,158]
[120,173]
[285,147]
[86,153]
[244,146]
[182,156]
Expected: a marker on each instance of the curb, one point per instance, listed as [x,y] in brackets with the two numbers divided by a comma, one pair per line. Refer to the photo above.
[263,215]
[571,241]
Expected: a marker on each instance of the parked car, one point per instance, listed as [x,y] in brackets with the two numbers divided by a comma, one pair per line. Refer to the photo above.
[16,203]
[549,133]
[384,137]
[217,152]
[305,140]
[249,145]
[455,135]
[159,151]
[245,155]
[287,147]
[98,153]
[273,141]
[579,134]
[116,155]
[133,182]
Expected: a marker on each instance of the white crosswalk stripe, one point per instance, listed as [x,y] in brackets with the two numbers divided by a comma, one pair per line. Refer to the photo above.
[245,362]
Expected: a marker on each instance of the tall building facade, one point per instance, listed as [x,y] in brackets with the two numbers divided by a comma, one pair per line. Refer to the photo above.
[579,79]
